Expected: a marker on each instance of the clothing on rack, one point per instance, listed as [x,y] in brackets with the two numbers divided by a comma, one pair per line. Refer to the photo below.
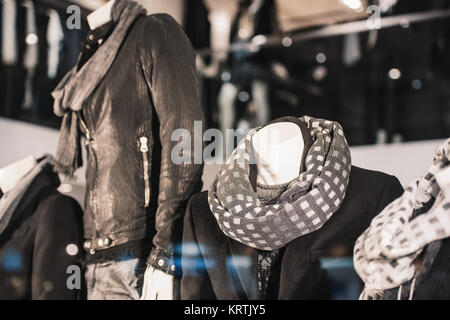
[9,32]
[55,36]
[352,49]
[31,56]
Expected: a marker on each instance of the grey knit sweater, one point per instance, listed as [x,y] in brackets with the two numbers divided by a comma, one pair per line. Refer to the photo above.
[268,195]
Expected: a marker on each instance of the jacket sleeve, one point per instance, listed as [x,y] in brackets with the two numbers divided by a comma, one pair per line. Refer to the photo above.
[57,252]
[168,62]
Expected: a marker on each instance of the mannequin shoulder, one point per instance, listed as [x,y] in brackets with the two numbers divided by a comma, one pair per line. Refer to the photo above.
[162,32]
[199,202]
[161,22]
[376,177]
[376,182]
[58,208]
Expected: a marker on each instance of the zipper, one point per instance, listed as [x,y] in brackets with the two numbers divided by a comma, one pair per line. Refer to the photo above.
[89,143]
[144,150]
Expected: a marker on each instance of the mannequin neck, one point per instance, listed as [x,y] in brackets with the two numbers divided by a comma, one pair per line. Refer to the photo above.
[278,150]
[100,16]
[11,175]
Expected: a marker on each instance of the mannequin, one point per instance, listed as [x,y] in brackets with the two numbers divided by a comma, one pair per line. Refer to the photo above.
[283,150]
[157,284]
[128,227]
[270,144]
[12,174]
[43,228]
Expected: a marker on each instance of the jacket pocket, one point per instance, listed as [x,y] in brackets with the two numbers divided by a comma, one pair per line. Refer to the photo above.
[143,141]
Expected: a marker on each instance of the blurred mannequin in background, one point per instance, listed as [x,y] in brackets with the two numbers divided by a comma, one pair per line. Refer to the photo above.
[41,235]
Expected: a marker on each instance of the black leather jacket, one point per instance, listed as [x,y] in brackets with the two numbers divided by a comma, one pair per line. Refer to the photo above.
[134,190]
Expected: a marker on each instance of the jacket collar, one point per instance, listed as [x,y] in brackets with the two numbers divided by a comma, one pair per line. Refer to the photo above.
[30,188]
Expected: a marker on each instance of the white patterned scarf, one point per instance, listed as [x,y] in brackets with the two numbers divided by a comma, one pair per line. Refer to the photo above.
[384,254]
[306,205]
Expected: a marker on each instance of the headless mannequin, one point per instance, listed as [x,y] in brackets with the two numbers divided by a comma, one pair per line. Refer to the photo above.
[11,175]
[157,284]
[278,150]
[270,145]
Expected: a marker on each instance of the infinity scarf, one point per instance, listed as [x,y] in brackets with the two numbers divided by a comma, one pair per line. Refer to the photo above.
[384,254]
[309,201]
[76,86]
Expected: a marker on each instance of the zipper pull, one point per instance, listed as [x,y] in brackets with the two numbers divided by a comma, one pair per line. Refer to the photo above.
[144,144]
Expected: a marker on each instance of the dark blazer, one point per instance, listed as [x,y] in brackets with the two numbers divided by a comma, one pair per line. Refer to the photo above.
[35,246]
[435,284]
[218,267]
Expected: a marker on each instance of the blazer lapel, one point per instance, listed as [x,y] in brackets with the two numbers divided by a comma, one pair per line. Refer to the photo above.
[295,276]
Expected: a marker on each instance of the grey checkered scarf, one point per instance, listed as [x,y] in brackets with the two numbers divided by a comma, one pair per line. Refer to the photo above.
[309,201]
[77,86]
[384,254]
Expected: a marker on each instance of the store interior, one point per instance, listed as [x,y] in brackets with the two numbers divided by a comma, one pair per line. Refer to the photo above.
[386,81]
[380,68]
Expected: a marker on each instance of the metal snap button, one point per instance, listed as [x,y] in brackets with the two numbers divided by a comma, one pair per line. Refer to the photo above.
[87,245]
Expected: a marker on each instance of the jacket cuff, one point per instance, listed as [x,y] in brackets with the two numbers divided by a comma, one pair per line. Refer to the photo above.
[165,262]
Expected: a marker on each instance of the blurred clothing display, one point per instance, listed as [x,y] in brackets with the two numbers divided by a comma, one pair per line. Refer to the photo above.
[32,31]
[31,57]
[220,267]
[41,239]
[55,35]
[293,14]
[9,32]
[405,238]
[349,73]
[247,87]
[136,195]
[352,50]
